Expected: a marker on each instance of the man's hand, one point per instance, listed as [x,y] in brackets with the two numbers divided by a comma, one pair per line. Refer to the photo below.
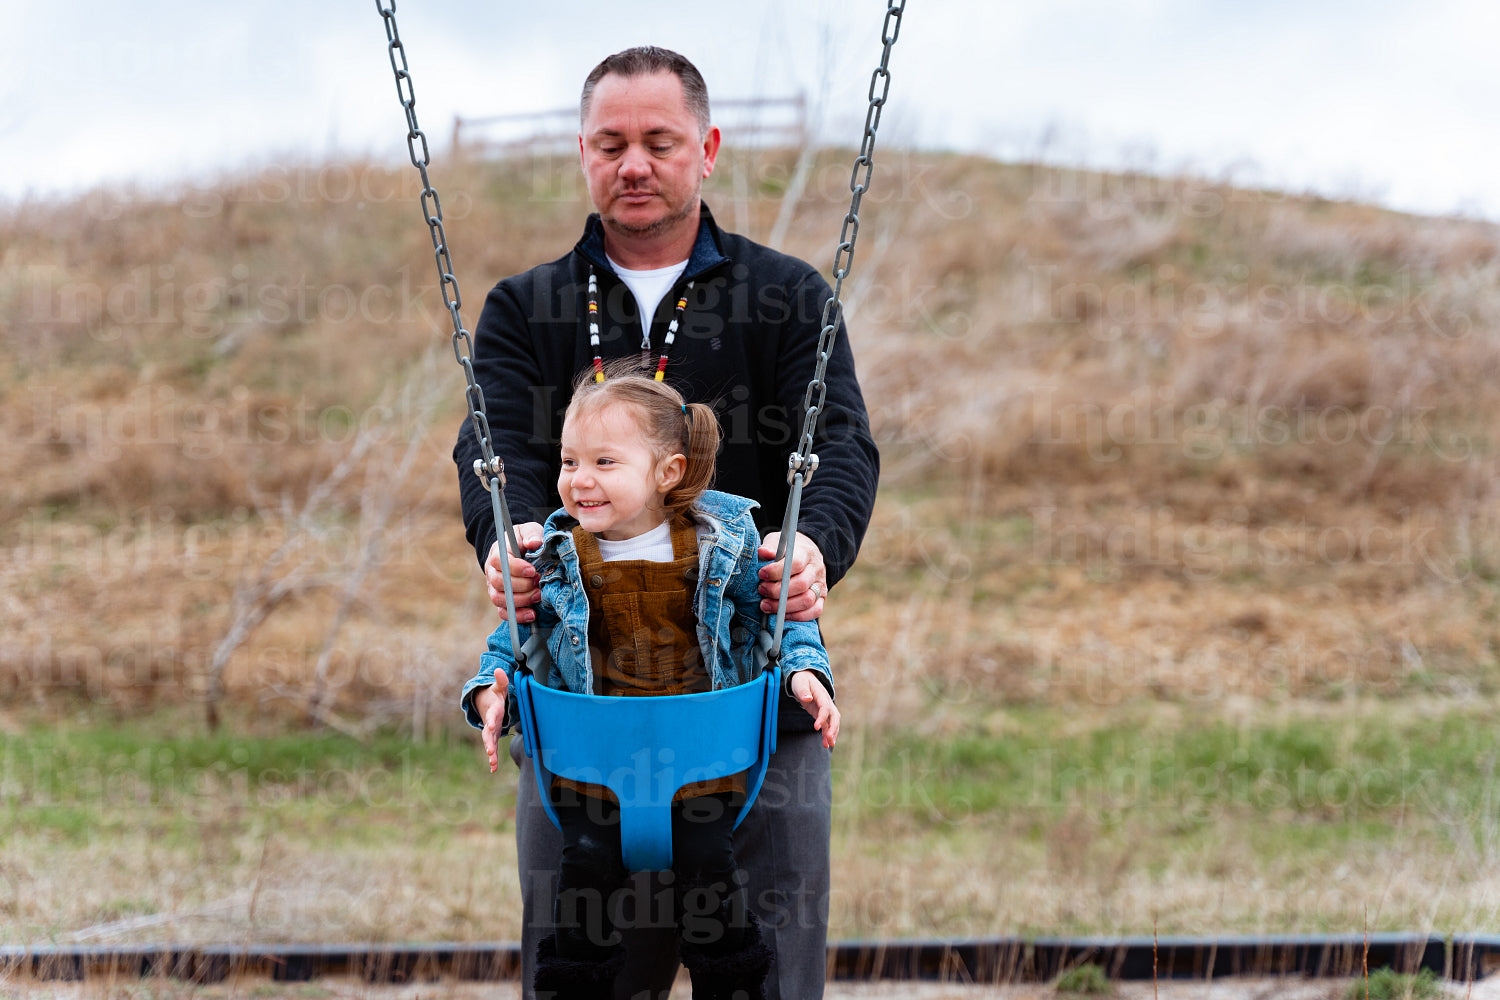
[522,575]
[490,704]
[809,585]
[808,689]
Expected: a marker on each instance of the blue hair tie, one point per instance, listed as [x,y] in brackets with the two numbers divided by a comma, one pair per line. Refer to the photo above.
[684,409]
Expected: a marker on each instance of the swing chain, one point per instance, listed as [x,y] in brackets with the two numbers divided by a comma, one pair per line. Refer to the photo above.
[432,211]
[803,460]
[463,343]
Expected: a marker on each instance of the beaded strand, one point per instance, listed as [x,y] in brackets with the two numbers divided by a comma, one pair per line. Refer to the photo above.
[661,366]
[594,325]
[666,347]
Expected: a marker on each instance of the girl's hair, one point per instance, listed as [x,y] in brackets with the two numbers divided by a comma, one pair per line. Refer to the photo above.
[670,425]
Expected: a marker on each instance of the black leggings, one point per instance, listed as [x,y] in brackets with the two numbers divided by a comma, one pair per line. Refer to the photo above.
[593,891]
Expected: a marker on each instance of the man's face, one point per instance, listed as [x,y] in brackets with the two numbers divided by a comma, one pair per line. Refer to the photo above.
[643,155]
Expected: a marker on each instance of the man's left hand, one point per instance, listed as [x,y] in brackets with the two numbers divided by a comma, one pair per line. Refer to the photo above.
[809,583]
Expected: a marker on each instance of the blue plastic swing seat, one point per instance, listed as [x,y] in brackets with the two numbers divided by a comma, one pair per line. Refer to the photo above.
[645,749]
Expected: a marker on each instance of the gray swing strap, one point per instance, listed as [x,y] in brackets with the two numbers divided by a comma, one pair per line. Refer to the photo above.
[802,463]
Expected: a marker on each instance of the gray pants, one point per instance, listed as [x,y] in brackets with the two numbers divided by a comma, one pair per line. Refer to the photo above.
[782,845]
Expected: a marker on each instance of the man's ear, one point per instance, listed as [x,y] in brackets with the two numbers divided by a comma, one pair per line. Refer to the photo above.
[710,150]
[669,473]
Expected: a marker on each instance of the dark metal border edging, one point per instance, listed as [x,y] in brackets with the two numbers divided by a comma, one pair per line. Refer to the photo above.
[986,960]
[1139,958]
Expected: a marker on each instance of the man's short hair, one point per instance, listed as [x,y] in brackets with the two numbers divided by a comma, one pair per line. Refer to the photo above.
[644,60]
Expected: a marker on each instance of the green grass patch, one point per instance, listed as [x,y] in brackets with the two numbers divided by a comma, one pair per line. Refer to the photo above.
[1087,979]
[74,781]
[1292,784]
[1309,785]
[1387,984]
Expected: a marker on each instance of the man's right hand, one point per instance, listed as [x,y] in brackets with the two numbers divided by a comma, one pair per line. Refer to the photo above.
[522,575]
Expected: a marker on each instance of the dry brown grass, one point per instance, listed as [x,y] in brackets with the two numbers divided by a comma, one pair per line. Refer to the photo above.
[1086,877]
[1143,419]
[1142,439]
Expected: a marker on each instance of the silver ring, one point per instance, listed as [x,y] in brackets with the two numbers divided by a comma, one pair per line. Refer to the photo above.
[817,592]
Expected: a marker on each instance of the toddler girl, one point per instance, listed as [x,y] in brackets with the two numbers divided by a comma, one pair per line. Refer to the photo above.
[661,574]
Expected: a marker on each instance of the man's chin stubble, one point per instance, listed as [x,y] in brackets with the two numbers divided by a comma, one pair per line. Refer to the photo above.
[651,228]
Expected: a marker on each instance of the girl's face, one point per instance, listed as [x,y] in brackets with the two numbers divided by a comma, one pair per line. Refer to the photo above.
[611,480]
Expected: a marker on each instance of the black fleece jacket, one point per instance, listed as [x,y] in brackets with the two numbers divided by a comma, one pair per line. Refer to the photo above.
[747,345]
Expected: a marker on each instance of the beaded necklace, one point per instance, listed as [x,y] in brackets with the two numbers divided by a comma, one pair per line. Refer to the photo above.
[666,347]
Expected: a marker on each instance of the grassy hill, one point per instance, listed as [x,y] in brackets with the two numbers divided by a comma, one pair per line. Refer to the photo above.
[1183,573]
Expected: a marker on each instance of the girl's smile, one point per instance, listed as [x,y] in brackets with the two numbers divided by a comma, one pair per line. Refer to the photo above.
[611,481]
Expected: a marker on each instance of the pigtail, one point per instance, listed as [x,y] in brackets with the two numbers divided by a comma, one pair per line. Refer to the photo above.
[700,446]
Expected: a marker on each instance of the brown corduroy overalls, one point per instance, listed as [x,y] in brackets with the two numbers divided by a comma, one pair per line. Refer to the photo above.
[643,637]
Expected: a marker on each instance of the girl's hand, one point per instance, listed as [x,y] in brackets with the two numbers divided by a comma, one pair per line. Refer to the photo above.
[814,697]
[490,704]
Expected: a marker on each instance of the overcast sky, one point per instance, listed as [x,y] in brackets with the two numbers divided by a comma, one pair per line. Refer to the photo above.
[1389,100]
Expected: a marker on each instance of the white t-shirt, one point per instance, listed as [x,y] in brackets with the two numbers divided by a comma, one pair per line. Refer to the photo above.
[649,288]
[653,546]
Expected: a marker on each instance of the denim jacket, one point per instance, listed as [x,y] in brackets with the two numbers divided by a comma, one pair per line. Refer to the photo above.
[727,600]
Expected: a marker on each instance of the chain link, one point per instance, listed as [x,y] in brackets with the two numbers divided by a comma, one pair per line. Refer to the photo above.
[803,460]
[802,463]
[432,211]
[490,464]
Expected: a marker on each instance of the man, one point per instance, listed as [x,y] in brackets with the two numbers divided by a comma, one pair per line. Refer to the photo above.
[729,323]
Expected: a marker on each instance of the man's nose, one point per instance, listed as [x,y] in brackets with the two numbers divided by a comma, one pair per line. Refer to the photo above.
[635,163]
